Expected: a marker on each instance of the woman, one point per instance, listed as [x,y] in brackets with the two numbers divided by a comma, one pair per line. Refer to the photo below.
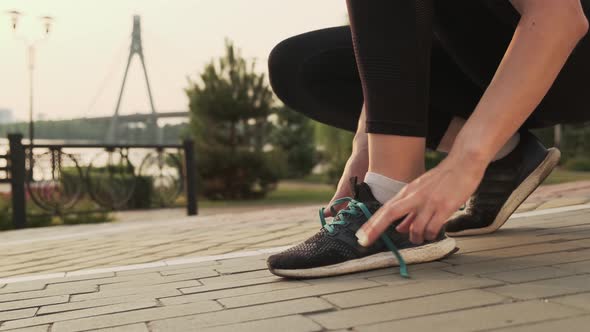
[465,77]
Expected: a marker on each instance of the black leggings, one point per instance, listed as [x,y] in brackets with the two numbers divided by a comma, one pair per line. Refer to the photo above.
[422,63]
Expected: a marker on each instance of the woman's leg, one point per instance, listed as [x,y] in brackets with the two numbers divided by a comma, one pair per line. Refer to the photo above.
[315,73]
[393,56]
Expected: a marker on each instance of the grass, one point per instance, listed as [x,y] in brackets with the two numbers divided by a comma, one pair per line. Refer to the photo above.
[561,175]
[288,192]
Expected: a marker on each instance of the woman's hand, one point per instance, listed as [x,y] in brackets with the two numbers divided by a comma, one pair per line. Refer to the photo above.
[427,202]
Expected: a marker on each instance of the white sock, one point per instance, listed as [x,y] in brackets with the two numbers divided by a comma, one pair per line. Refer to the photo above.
[508,147]
[383,187]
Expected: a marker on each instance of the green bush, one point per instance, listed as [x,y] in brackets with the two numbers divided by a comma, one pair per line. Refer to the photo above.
[433,158]
[142,197]
[39,218]
[238,175]
[578,164]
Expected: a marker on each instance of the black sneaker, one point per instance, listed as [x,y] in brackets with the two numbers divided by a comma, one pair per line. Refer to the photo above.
[506,184]
[334,250]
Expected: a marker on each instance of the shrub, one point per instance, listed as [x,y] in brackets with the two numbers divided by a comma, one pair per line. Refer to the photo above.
[578,164]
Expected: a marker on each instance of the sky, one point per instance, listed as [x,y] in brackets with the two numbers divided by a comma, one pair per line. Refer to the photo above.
[79,67]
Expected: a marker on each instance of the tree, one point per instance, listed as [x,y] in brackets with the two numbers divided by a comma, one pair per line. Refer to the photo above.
[229,110]
[293,137]
[336,148]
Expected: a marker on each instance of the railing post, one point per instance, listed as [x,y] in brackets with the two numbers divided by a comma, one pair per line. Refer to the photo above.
[17,180]
[190,169]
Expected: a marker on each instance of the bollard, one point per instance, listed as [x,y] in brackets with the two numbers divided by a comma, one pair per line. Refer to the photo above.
[17,180]
[190,169]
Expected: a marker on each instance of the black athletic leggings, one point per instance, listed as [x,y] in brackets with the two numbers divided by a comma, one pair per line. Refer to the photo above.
[421,62]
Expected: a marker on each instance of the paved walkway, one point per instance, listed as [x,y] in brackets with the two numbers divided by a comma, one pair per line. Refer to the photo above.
[208,273]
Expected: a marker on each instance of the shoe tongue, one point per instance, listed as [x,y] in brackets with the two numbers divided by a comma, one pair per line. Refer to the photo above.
[361,191]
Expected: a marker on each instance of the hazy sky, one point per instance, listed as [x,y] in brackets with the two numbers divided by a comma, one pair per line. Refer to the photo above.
[80,67]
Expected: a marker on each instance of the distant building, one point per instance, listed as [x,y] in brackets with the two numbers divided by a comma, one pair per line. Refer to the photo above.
[6,115]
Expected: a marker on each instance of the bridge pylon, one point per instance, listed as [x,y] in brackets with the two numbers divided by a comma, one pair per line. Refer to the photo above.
[135,49]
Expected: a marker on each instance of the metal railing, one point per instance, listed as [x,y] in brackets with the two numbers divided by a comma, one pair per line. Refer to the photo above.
[56,180]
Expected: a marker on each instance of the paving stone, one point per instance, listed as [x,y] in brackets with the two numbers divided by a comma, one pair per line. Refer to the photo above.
[295,323]
[17,314]
[181,269]
[46,293]
[545,288]
[579,301]
[36,302]
[406,308]
[157,281]
[577,267]
[65,316]
[568,324]
[392,278]
[39,328]
[76,305]
[406,291]
[231,292]
[237,276]
[514,251]
[242,315]
[519,262]
[21,287]
[140,327]
[246,267]
[296,293]
[230,284]
[527,207]
[134,290]
[486,318]
[555,203]
[532,274]
[103,281]
[200,315]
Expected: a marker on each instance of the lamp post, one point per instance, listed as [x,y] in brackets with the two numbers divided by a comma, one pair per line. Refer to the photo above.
[30,44]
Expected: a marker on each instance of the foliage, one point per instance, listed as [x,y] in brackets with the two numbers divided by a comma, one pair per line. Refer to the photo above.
[293,137]
[433,158]
[229,110]
[38,218]
[575,142]
[336,147]
[581,164]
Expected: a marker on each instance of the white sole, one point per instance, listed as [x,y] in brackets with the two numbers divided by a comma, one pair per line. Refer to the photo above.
[518,195]
[426,253]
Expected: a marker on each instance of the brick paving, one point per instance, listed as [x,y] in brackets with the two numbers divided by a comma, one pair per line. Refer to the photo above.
[532,275]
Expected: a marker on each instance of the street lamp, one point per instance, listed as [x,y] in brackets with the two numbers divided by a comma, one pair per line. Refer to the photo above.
[30,44]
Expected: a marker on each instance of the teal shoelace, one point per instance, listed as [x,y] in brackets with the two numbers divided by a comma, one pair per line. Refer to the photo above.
[355,208]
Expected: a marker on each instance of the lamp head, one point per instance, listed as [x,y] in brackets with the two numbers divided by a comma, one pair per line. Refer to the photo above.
[47,21]
[14,16]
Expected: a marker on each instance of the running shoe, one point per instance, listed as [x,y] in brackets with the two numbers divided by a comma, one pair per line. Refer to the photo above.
[506,184]
[334,250]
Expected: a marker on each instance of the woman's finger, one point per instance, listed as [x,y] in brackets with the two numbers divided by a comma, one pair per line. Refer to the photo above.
[419,225]
[404,226]
[384,217]
[437,222]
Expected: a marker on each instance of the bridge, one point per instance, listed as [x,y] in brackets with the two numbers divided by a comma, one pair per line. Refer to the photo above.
[144,117]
